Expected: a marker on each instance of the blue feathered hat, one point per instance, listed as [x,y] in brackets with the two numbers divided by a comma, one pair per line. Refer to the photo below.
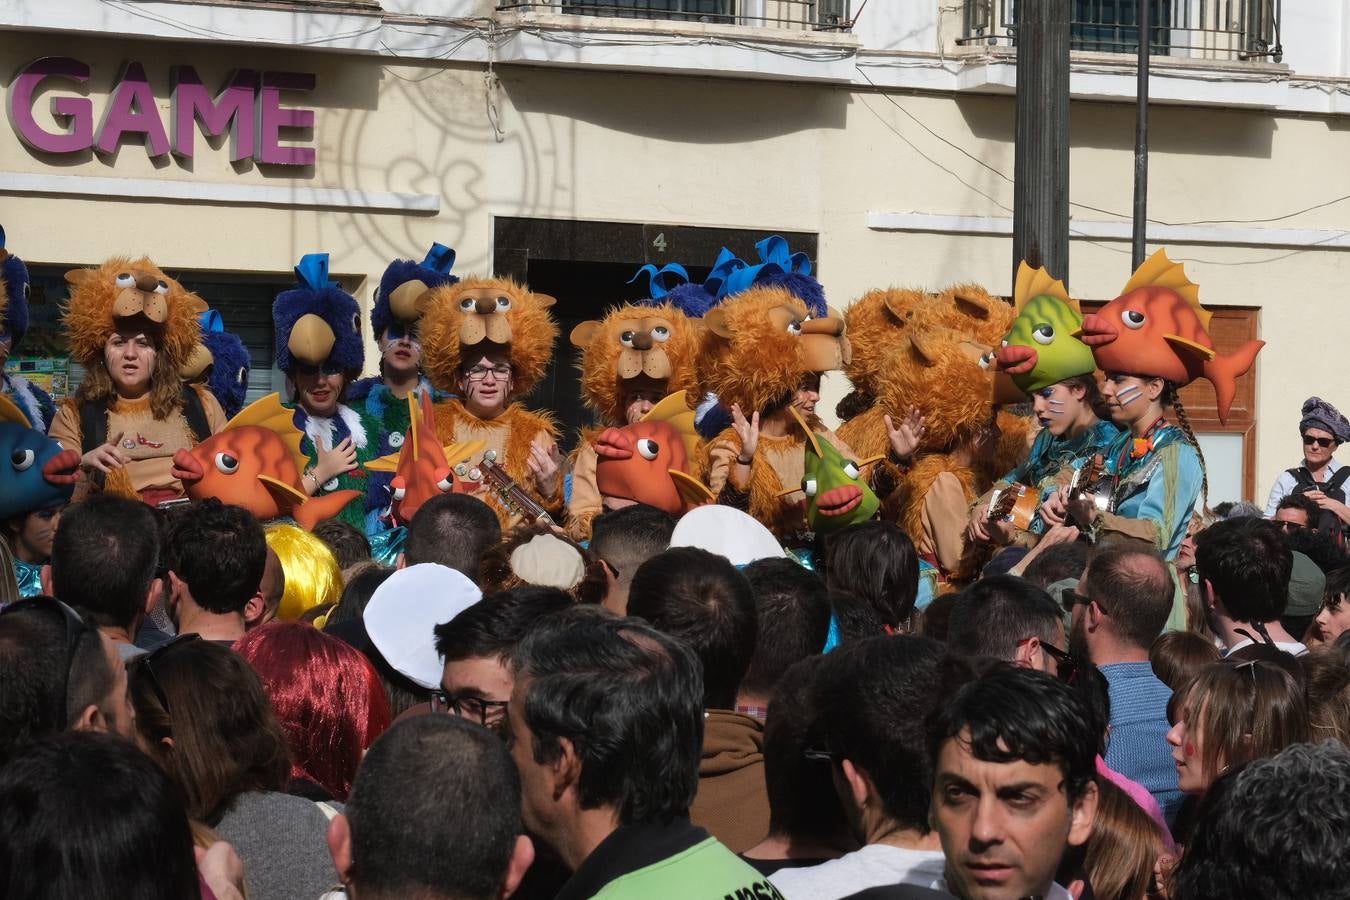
[15,275]
[230,363]
[730,275]
[432,272]
[317,322]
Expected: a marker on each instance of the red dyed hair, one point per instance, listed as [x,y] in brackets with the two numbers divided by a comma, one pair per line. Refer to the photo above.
[329,699]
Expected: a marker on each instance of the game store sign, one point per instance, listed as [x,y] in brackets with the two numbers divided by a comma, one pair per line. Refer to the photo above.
[250,108]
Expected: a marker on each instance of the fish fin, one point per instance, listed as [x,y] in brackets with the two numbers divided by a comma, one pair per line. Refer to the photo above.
[1035,282]
[387,463]
[810,435]
[268,412]
[675,410]
[1224,370]
[1159,271]
[317,509]
[1185,345]
[461,452]
[692,491]
[10,412]
[864,463]
[287,495]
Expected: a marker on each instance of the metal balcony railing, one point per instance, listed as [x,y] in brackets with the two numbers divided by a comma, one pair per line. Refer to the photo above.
[796,15]
[1200,29]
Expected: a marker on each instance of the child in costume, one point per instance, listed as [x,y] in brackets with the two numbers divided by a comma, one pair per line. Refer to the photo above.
[631,359]
[382,399]
[133,329]
[37,478]
[489,341]
[319,347]
[1047,362]
[36,403]
[1150,341]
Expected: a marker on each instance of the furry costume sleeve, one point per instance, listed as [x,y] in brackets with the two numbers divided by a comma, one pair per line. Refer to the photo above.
[586,502]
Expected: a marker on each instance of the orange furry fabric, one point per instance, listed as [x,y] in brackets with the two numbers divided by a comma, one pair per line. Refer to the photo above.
[940,373]
[866,433]
[907,502]
[783,515]
[88,317]
[875,321]
[761,363]
[972,310]
[601,382]
[533,332]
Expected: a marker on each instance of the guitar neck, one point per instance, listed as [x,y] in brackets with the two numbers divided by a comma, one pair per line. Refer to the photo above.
[512,494]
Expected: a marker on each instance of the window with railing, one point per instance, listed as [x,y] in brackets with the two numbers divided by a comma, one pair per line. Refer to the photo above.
[811,15]
[1205,29]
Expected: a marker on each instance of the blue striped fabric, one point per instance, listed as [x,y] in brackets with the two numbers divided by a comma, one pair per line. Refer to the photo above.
[1138,747]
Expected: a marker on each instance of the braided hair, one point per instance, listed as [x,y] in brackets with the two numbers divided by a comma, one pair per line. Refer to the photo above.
[1171,397]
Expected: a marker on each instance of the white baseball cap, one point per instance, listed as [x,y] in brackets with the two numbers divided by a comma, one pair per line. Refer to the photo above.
[406,608]
[727,532]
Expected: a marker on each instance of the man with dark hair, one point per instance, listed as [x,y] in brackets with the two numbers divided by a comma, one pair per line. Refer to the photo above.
[61,674]
[1296,511]
[454,530]
[792,615]
[606,722]
[1013,786]
[624,539]
[1058,562]
[872,697]
[1010,619]
[216,556]
[1244,569]
[477,645]
[349,544]
[434,814]
[103,562]
[700,598]
[1275,828]
[1120,608]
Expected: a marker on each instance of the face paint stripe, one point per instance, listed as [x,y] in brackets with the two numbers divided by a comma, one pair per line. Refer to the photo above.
[1128,394]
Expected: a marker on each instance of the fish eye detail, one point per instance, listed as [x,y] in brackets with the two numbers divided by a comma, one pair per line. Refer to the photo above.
[1133,319]
[226,463]
[1043,334]
[648,448]
[809,487]
[22,459]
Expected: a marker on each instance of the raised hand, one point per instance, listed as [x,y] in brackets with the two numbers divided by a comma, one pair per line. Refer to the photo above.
[544,462]
[332,463]
[747,431]
[906,437]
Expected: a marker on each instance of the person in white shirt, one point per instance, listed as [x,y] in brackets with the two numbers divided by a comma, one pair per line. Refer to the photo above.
[1323,430]
[1244,568]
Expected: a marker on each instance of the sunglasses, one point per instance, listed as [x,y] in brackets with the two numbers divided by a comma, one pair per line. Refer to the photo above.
[328,368]
[1066,667]
[75,628]
[1309,440]
[1285,525]
[147,664]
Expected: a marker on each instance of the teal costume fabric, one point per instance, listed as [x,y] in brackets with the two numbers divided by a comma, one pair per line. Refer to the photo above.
[1162,486]
[1050,454]
[29,577]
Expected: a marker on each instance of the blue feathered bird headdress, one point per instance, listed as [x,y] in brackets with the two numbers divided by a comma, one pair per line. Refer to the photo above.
[230,363]
[432,272]
[317,322]
[730,275]
[15,275]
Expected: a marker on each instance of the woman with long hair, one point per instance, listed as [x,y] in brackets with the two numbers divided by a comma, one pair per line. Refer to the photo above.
[877,563]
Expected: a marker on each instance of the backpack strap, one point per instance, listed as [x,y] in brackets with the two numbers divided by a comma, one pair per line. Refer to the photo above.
[94,433]
[1335,481]
[1303,479]
[195,414]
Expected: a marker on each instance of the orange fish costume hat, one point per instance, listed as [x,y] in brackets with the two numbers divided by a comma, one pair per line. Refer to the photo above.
[1157,328]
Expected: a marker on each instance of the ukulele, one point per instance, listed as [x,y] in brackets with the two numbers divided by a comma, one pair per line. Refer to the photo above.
[505,488]
[1089,481]
[1015,503]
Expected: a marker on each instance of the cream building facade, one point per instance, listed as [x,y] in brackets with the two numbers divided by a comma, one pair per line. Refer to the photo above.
[570,149]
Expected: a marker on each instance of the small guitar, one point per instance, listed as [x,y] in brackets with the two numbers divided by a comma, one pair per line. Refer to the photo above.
[1015,503]
[505,488]
[1089,481]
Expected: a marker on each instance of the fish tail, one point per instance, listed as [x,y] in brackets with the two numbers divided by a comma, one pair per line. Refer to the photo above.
[1224,370]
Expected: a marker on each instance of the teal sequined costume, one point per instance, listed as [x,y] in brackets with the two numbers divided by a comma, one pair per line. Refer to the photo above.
[1050,455]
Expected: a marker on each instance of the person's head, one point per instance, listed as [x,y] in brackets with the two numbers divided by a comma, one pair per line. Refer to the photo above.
[807,395]
[311,574]
[606,713]
[1013,785]
[1058,563]
[477,645]
[319,388]
[1126,596]
[1124,847]
[1333,619]
[1231,712]
[1066,404]
[270,589]
[348,543]
[640,396]
[624,539]
[1319,443]
[700,598]
[1326,687]
[486,382]
[400,351]
[454,530]
[803,802]
[402,834]
[872,697]
[1177,655]
[876,562]
[538,555]
[202,713]
[89,815]
[32,534]
[216,556]
[792,613]
[129,356]
[1010,619]
[327,697]
[357,593]
[104,558]
[1133,398]
[1296,511]
[1244,569]
[61,674]
[1252,841]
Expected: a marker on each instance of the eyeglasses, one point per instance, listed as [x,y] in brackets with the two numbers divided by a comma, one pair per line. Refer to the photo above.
[1066,667]
[1309,440]
[480,373]
[488,713]
[75,628]
[327,368]
[147,664]
[1286,525]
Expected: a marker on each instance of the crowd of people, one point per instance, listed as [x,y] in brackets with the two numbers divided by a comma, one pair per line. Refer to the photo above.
[379,638]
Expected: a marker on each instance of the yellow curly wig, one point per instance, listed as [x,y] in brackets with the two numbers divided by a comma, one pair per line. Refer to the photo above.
[602,352]
[875,322]
[973,311]
[748,357]
[533,332]
[313,577]
[938,370]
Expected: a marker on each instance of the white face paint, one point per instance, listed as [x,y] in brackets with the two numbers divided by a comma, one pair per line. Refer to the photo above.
[1128,394]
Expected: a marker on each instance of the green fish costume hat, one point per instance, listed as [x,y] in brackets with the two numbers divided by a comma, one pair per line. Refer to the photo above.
[1042,348]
